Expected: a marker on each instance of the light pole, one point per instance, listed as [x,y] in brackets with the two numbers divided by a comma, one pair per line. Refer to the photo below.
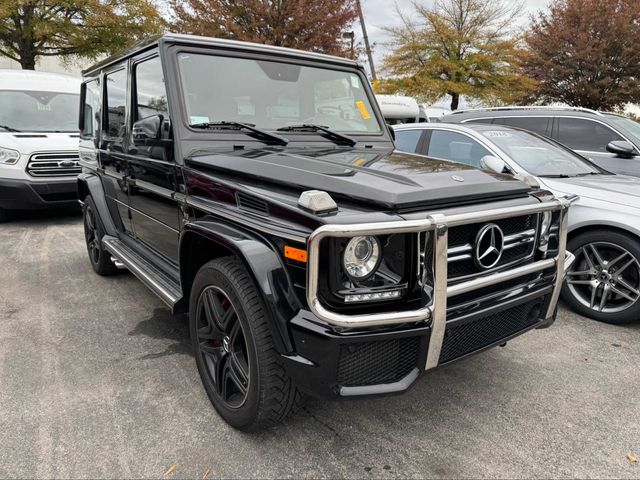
[366,42]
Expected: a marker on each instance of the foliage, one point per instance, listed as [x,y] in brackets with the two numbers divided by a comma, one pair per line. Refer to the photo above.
[86,28]
[457,47]
[586,52]
[313,25]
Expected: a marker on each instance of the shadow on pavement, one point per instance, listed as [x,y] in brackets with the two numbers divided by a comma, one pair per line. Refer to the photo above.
[164,326]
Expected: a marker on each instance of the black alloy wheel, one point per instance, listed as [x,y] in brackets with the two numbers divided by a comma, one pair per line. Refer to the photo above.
[223,347]
[93,233]
[240,368]
[604,281]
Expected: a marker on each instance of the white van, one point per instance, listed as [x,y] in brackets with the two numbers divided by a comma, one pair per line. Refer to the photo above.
[397,109]
[38,140]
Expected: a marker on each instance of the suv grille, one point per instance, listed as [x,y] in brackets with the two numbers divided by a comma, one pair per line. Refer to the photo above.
[373,363]
[54,164]
[468,337]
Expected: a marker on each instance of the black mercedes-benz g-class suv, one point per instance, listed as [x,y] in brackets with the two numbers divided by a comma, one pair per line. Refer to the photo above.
[257,188]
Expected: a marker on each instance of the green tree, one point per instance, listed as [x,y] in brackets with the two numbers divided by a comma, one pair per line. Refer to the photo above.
[85,28]
[314,25]
[458,47]
[586,53]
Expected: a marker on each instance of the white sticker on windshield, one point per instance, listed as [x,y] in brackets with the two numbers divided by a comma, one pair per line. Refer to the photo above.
[355,81]
[497,133]
[195,119]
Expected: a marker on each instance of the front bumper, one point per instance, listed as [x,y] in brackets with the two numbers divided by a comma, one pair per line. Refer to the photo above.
[340,355]
[29,195]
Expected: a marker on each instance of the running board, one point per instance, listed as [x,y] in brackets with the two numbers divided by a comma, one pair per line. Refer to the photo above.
[157,281]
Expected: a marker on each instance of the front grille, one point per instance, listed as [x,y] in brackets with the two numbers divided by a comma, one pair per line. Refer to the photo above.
[372,363]
[468,337]
[59,164]
[519,235]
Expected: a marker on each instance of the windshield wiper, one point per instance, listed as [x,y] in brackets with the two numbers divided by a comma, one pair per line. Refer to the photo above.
[9,129]
[559,175]
[272,137]
[337,137]
[587,174]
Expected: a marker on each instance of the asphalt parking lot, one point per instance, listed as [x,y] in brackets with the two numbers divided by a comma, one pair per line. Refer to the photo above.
[97,380]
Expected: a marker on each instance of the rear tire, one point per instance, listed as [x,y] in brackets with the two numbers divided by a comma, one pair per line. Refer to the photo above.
[604,281]
[241,370]
[93,232]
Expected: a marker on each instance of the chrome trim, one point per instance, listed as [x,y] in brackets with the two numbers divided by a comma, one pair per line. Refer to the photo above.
[440,291]
[561,258]
[510,241]
[439,223]
[158,190]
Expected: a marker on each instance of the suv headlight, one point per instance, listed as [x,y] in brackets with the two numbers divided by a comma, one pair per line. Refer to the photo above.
[8,156]
[361,257]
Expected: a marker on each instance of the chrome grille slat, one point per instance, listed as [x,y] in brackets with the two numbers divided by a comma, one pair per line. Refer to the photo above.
[48,164]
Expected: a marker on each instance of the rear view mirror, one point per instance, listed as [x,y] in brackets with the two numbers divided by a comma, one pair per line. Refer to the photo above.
[489,162]
[621,148]
[148,132]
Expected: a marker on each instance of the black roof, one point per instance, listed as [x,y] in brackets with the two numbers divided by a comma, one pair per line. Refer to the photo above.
[196,40]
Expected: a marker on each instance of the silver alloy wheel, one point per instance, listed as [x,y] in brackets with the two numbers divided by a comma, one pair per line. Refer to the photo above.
[605,277]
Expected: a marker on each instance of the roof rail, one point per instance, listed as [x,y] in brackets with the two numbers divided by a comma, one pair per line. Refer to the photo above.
[534,107]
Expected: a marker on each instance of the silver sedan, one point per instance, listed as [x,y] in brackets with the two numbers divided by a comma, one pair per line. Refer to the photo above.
[604,224]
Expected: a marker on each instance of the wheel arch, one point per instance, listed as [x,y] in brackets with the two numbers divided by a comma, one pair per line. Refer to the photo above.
[203,241]
[90,184]
[612,226]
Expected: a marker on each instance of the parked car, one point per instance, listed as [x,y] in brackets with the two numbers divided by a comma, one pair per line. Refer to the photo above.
[38,140]
[604,224]
[240,186]
[398,109]
[609,140]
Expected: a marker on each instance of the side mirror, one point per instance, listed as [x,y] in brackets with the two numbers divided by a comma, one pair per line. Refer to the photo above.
[621,148]
[489,162]
[148,132]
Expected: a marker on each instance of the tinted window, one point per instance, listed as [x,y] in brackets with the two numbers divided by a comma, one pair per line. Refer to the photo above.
[115,104]
[534,124]
[587,135]
[151,94]
[407,140]
[91,120]
[456,147]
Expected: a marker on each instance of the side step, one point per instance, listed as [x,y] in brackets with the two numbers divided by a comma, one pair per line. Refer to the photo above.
[157,281]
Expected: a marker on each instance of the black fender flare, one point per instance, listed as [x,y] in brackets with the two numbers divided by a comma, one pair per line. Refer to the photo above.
[262,262]
[90,184]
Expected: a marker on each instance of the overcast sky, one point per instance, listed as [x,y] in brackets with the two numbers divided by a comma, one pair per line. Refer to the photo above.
[382,13]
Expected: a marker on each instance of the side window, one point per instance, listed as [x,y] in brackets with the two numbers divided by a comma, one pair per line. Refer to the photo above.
[533,124]
[581,134]
[456,147]
[151,93]
[91,110]
[116,99]
[407,140]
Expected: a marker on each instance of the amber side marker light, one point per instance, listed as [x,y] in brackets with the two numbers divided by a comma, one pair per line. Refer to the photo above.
[295,254]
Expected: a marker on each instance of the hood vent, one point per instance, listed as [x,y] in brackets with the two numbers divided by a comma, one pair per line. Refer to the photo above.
[251,204]
[30,135]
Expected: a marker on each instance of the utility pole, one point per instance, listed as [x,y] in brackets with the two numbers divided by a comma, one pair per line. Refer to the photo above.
[366,43]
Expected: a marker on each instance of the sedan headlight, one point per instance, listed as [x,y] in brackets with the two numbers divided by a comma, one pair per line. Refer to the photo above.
[8,156]
[361,257]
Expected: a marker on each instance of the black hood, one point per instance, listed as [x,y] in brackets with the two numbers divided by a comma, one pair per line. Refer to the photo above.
[390,179]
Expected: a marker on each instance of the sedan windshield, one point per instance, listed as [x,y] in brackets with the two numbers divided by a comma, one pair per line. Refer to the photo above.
[38,111]
[538,156]
[271,95]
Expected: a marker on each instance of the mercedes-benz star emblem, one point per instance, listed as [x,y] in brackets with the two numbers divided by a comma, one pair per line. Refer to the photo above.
[489,246]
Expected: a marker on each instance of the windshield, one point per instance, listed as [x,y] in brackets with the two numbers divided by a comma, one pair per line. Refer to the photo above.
[538,156]
[39,111]
[271,95]
[630,127]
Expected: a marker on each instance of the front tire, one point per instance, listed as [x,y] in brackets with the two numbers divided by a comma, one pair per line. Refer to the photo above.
[604,281]
[241,370]
[93,232]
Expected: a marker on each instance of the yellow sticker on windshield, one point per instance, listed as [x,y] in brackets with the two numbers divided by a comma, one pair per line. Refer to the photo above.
[362,108]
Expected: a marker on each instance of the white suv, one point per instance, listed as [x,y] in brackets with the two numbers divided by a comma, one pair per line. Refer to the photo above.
[38,140]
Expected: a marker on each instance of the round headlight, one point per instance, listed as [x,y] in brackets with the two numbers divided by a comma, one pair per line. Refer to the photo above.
[361,256]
